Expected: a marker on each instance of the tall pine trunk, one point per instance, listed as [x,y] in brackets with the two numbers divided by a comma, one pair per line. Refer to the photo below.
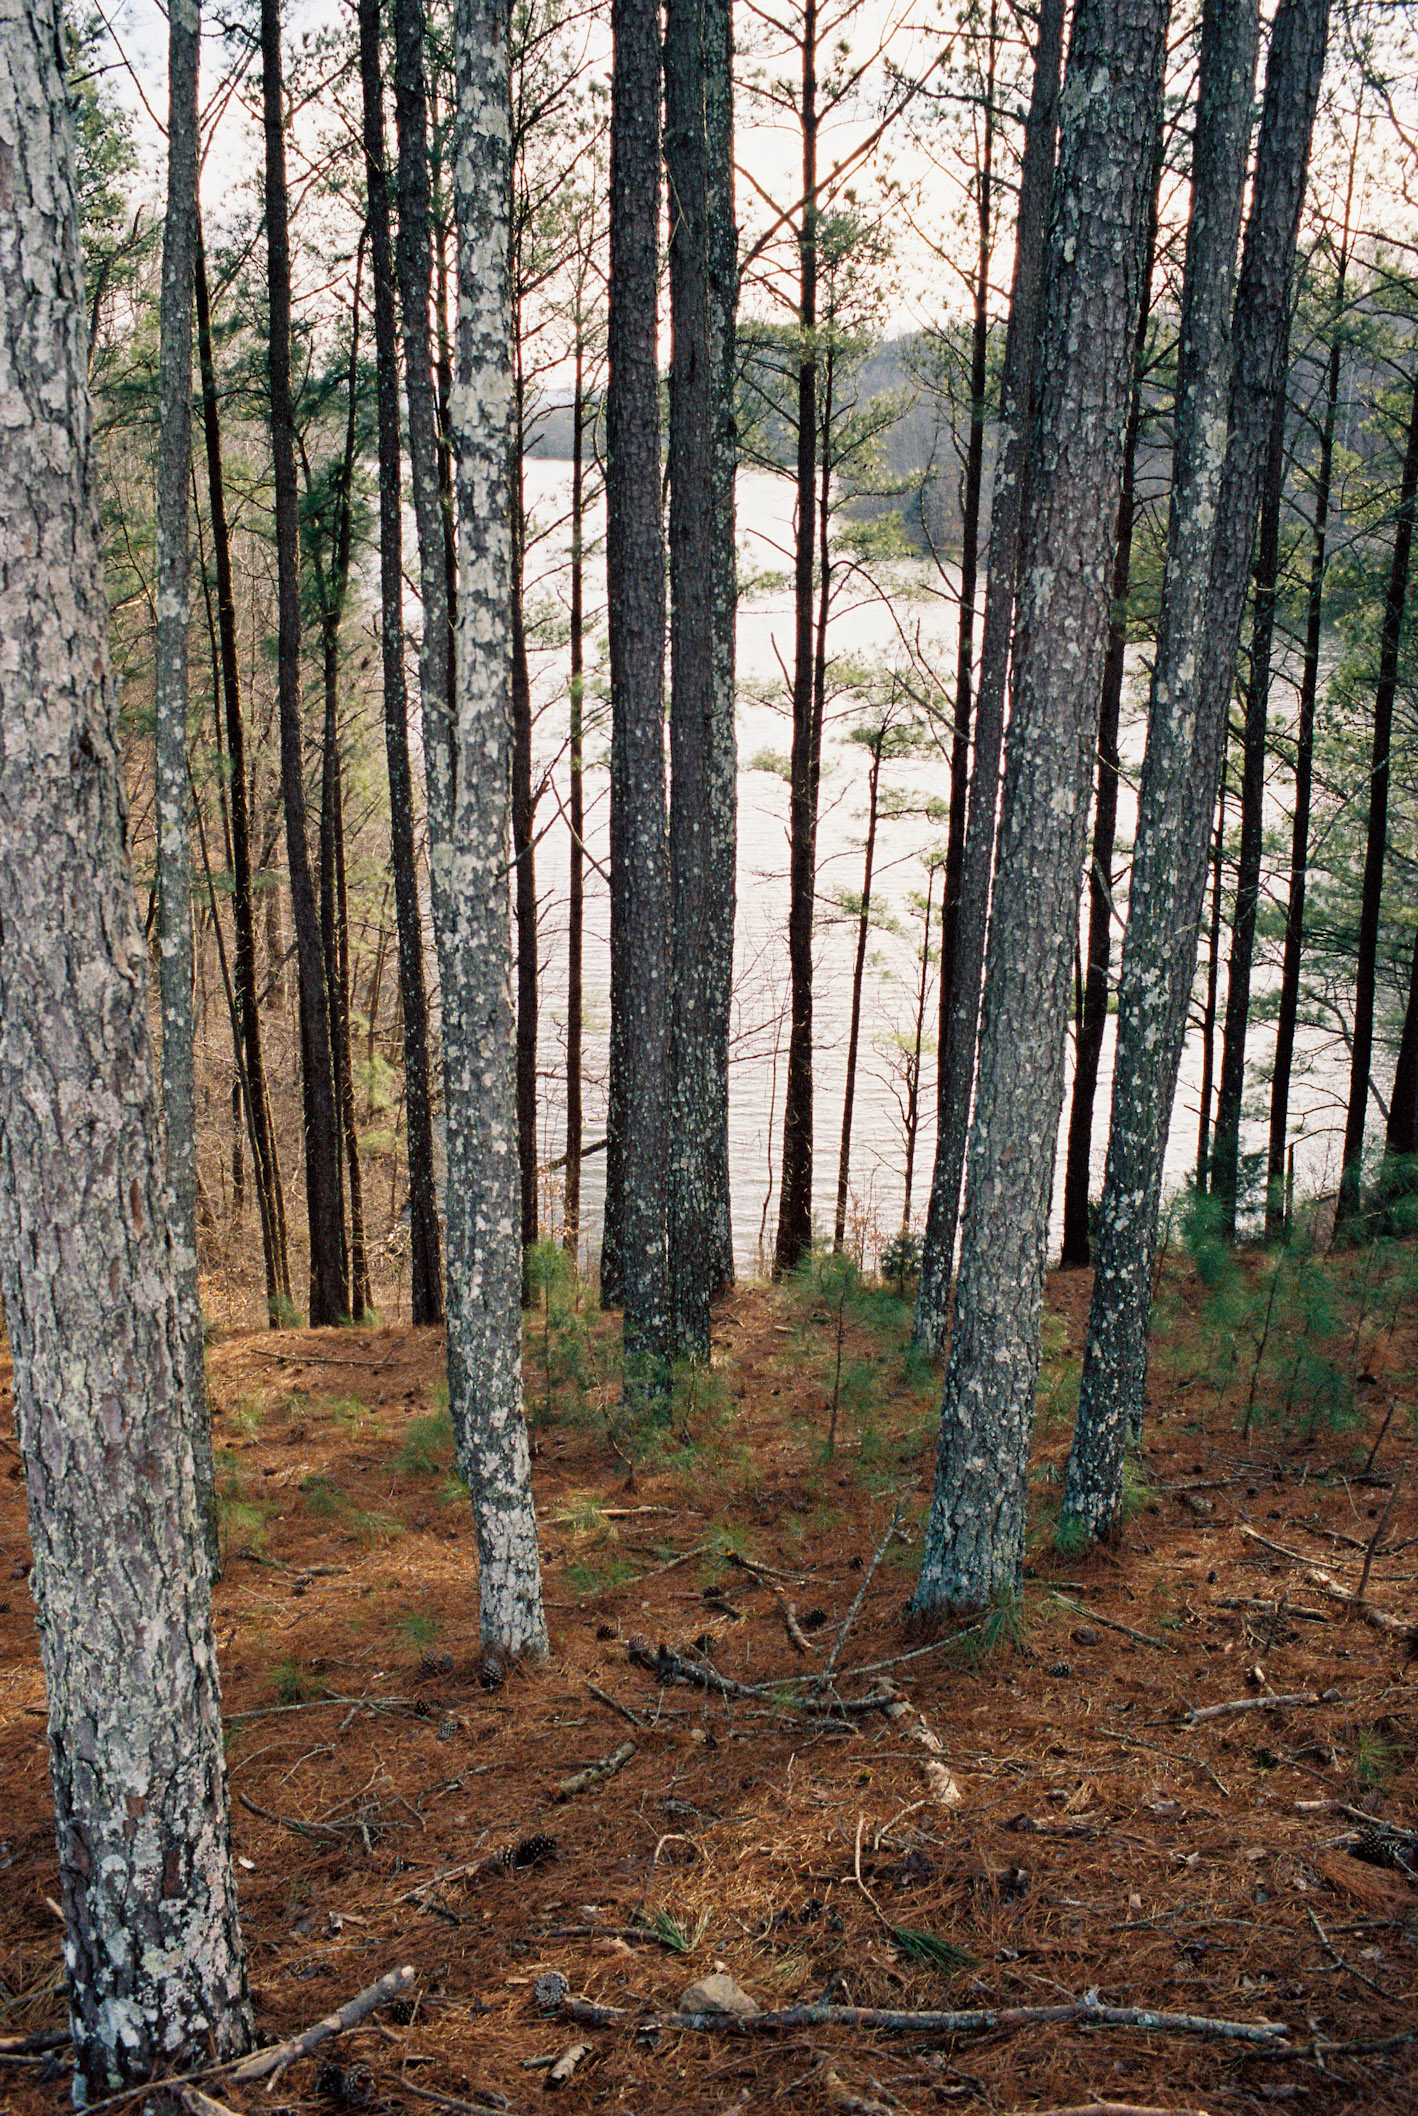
[635,1263]
[524,896]
[702,763]
[795,1185]
[1366,966]
[329,1290]
[1216,496]
[957,1051]
[170,736]
[974,1541]
[484,1254]
[156,1980]
[844,1156]
[576,903]
[426,1304]
[1093,1017]
[1208,1005]
[1289,1003]
[1226,1149]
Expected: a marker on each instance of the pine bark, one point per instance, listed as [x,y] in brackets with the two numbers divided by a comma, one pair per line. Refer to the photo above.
[253,1072]
[1230,1093]
[524,895]
[702,759]
[1093,1018]
[1109,113]
[1289,1004]
[1208,1005]
[844,1156]
[1210,540]
[957,1051]
[426,1303]
[414,261]
[635,1263]
[329,1292]
[156,1976]
[170,732]
[795,1184]
[576,856]
[1366,965]
[484,1253]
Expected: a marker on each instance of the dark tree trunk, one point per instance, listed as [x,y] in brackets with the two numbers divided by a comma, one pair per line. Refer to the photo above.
[795,1185]
[974,1543]
[426,1304]
[913,1077]
[957,1053]
[722,244]
[1289,1005]
[1366,967]
[969,570]
[1093,1014]
[634,1257]
[1210,542]
[155,1976]
[1208,1013]
[174,865]
[524,895]
[1226,1149]
[839,1225]
[576,907]
[328,1289]
[701,763]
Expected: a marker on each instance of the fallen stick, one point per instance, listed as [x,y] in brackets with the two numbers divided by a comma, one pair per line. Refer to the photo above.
[1087,2011]
[1377,1537]
[34,2045]
[1377,1619]
[197,2103]
[1109,2108]
[616,1706]
[597,1773]
[1196,1714]
[1112,1623]
[796,1635]
[450,2101]
[325,1830]
[763,1572]
[279,2055]
[668,1667]
[851,1617]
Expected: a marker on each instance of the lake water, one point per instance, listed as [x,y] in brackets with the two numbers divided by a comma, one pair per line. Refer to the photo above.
[866,631]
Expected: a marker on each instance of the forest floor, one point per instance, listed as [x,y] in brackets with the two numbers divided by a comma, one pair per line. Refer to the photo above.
[1042,1810]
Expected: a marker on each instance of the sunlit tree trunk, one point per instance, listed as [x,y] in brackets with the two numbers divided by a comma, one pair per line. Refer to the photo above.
[576,899]
[155,1974]
[484,1252]
[876,742]
[974,1543]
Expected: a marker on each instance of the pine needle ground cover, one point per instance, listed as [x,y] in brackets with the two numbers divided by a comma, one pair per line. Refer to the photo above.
[1035,1809]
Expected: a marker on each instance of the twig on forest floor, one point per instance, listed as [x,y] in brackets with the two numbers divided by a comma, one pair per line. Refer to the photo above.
[1113,1623]
[1376,1619]
[1338,1959]
[270,2063]
[450,2101]
[1377,1537]
[1131,1741]
[767,1573]
[616,1706]
[1110,2108]
[1088,2012]
[319,1359]
[593,1774]
[318,1704]
[851,1617]
[667,1666]
[797,1637]
[1265,1703]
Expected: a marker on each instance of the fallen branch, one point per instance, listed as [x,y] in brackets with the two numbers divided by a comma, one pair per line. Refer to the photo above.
[1265,1703]
[279,2055]
[670,1667]
[796,1635]
[197,2103]
[1087,2011]
[450,2101]
[1377,1619]
[302,1829]
[1108,2108]
[762,1572]
[1112,1623]
[851,1617]
[616,1706]
[593,1774]
[1377,1537]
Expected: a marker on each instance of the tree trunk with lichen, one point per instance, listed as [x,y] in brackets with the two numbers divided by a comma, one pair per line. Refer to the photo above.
[170,732]
[87,1262]
[974,1543]
[1216,497]
[483,1207]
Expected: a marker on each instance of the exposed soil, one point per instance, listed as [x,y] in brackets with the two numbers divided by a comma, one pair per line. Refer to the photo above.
[386,1802]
